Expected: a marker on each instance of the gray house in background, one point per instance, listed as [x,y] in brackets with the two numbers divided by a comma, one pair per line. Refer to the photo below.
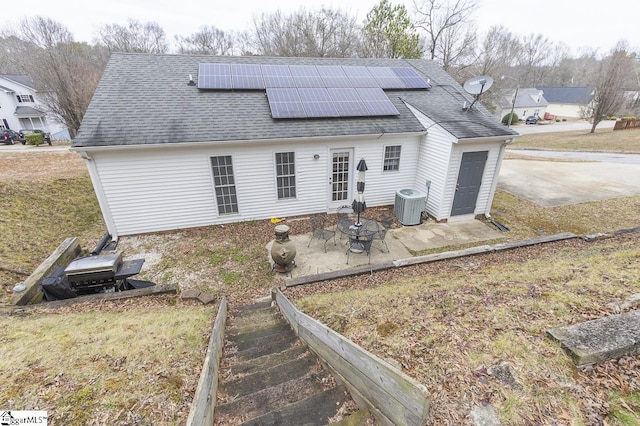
[566,102]
[174,141]
[529,101]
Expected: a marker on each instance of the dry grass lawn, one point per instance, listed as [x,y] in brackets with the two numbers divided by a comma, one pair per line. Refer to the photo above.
[604,140]
[472,330]
[131,363]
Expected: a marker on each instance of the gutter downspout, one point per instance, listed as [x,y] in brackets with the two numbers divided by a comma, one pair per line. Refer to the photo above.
[102,199]
[496,175]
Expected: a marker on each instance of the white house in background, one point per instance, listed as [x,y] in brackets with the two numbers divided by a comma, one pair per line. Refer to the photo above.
[529,101]
[566,102]
[175,141]
[20,109]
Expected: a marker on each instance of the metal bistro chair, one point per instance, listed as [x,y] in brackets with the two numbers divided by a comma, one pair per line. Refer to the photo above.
[360,244]
[319,231]
[343,212]
[378,231]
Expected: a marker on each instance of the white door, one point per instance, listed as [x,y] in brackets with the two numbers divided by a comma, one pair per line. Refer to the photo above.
[340,178]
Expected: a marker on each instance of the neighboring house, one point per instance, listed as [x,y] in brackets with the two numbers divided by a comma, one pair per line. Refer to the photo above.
[165,153]
[566,102]
[19,106]
[529,101]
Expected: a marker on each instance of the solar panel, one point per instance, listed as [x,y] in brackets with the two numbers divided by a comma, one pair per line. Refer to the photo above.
[410,78]
[360,77]
[317,102]
[306,76]
[347,102]
[376,101]
[277,76]
[386,78]
[333,76]
[285,103]
[246,76]
[214,76]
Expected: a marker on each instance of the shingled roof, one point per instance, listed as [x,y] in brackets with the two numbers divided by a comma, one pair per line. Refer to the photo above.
[145,99]
[567,95]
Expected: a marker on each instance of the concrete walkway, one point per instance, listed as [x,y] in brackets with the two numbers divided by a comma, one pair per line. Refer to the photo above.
[403,243]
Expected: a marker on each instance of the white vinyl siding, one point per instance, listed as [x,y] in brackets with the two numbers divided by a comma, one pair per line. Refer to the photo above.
[167,187]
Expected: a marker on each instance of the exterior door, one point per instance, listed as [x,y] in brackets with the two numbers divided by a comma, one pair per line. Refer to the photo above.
[469,181]
[340,178]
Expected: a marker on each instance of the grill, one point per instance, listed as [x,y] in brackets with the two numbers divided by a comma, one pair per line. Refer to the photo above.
[101,273]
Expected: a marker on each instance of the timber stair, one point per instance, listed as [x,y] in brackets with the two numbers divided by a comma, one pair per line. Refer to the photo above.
[269,377]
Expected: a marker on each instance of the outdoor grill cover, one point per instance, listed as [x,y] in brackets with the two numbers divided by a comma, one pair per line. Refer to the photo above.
[56,286]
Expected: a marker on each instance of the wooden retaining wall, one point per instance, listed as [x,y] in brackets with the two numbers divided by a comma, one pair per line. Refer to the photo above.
[204,400]
[62,256]
[391,396]
[626,124]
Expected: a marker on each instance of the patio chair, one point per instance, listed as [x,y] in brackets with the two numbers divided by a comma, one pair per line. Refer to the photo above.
[319,231]
[360,244]
[343,212]
[379,232]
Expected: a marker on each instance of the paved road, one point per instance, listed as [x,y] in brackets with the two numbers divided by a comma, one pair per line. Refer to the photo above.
[603,157]
[568,126]
[30,148]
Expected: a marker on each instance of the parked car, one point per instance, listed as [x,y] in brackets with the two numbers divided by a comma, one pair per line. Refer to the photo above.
[23,132]
[8,136]
[532,119]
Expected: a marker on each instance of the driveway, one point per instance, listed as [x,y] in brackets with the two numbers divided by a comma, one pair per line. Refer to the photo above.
[556,183]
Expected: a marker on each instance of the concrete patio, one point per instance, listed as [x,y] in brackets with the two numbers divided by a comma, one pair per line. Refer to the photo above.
[403,243]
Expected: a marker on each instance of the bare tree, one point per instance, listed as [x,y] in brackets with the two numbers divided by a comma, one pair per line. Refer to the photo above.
[324,33]
[534,55]
[446,24]
[135,37]
[389,33]
[498,51]
[208,41]
[615,72]
[66,72]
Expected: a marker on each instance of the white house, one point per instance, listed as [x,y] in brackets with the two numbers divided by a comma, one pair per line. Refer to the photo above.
[566,102]
[176,141]
[20,107]
[525,102]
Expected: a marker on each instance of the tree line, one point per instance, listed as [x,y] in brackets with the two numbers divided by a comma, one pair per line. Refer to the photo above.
[67,72]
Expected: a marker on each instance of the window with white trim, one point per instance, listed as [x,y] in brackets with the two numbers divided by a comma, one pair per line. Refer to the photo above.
[25,98]
[391,158]
[224,184]
[286,175]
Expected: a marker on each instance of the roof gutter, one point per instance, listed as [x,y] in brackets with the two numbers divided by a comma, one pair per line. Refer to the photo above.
[241,141]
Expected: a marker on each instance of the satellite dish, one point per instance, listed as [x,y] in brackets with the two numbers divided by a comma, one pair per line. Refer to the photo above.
[478,85]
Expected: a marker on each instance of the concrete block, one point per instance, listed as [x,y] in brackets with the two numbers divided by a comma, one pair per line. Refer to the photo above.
[599,340]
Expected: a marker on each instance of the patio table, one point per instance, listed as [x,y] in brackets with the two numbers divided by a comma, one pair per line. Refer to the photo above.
[360,237]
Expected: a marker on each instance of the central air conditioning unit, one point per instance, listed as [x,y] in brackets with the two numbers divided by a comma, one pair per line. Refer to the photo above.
[409,205]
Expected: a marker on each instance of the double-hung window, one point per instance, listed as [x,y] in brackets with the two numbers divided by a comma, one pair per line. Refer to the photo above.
[285,175]
[391,158]
[25,98]
[224,184]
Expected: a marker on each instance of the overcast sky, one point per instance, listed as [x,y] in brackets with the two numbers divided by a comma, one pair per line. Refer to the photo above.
[577,23]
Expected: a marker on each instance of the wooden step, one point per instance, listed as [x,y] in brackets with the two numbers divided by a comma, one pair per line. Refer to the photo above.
[273,376]
[264,362]
[269,345]
[272,398]
[313,411]
[246,340]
